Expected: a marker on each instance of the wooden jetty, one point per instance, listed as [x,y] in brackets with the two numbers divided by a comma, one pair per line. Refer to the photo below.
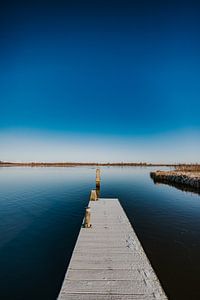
[108,262]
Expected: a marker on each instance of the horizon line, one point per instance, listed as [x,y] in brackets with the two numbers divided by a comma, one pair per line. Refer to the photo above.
[40,163]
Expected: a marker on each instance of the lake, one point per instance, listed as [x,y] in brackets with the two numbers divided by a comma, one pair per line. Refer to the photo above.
[41,211]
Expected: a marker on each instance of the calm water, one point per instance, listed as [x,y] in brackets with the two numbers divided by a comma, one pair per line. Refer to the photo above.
[41,211]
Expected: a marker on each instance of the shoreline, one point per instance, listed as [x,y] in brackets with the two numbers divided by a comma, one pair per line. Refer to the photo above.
[189,179]
[75,164]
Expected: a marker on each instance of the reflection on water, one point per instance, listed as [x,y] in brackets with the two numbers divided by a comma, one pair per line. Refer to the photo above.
[180,186]
[41,211]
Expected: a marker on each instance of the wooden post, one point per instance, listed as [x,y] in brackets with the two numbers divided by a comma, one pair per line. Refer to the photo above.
[93,195]
[98,191]
[87,223]
[98,179]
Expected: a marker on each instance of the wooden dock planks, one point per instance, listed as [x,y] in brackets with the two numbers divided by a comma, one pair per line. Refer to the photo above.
[108,261]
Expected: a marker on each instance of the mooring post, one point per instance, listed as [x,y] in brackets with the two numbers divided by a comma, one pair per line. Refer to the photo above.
[87,223]
[93,195]
[98,191]
[98,179]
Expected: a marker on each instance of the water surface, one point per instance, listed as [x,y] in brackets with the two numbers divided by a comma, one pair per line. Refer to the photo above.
[41,211]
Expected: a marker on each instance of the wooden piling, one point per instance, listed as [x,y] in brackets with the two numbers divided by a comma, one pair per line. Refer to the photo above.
[93,195]
[98,191]
[87,223]
[98,179]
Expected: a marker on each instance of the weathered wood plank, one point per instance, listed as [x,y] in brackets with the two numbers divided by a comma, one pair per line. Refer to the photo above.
[94,296]
[119,287]
[108,261]
[103,274]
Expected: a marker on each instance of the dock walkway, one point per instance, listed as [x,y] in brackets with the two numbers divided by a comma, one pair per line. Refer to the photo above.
[108,262]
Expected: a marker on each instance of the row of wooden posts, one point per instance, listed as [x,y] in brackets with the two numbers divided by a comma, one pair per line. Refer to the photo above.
[94,195]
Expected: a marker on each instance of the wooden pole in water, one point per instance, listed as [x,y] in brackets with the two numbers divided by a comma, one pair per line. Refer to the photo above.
[87,223]
[98,179]
[98,191]
[93,195]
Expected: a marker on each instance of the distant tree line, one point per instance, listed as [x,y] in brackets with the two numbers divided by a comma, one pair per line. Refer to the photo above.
[182,167]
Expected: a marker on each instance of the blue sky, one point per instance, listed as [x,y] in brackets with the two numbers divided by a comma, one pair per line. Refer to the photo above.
[121,75]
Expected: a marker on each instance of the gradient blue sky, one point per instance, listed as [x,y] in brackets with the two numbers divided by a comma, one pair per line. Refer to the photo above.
[100,80]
